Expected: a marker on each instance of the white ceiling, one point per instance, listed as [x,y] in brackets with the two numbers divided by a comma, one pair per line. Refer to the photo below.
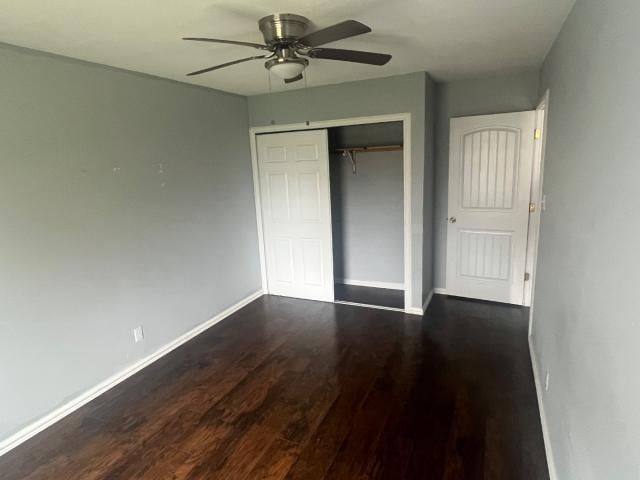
[448,38]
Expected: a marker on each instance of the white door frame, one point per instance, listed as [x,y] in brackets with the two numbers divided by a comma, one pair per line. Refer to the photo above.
[537,198]
[405,118]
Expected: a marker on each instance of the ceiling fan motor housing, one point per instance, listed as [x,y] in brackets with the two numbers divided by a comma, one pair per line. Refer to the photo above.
[283,28]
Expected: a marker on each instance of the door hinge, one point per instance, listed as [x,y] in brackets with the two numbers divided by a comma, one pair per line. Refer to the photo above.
[527,276]
[532,207]
[537,133]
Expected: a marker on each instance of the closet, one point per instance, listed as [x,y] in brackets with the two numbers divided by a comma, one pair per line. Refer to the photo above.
[366,185]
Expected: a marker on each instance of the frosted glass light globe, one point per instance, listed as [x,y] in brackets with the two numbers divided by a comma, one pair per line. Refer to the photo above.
[286,70]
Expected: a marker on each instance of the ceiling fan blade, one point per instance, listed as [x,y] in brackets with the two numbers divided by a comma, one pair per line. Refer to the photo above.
[346,29]
[356,56]
[293,79]
[205,70]
[229,42]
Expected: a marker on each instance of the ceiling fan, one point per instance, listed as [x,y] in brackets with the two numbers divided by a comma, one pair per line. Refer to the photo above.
[288,43]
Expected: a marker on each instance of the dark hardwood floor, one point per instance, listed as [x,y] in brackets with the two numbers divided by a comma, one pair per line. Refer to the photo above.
[292,389]
[382,297]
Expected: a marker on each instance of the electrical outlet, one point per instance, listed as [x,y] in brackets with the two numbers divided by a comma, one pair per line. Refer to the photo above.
[546,381]
[138,334]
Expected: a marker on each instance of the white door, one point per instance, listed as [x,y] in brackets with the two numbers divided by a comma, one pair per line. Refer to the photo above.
[296,213]
[490,164]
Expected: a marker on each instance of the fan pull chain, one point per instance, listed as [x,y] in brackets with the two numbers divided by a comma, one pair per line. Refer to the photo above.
[273,122]
[306,85]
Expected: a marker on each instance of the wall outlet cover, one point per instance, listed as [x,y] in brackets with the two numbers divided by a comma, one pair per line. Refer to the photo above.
[138,334]
[546,381]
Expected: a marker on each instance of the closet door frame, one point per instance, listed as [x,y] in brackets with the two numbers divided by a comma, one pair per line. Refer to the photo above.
[405,118]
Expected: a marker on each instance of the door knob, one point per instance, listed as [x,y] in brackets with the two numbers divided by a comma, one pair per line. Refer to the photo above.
[452,219]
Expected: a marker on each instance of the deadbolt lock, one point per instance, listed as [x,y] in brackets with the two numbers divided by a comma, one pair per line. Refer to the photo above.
[452,220]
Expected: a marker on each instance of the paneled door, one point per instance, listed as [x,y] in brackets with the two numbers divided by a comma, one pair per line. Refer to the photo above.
[296,213]
[490,167]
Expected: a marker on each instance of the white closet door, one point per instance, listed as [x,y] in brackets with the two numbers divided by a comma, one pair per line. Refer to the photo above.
[296,213]
[490,165]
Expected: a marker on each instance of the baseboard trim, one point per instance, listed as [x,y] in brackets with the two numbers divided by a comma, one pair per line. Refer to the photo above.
[426,303]
[59,413]
[414,311]
[543,416]
[440,291]
[371,283]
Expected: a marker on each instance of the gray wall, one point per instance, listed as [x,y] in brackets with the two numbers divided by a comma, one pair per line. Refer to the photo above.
[367,217]
[399,94]
[510,92]
[429,187]
[125,200]
[586,306]
[367,210]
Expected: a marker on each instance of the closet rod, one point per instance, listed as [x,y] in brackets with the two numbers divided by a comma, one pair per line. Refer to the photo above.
[380,148]
[351,152]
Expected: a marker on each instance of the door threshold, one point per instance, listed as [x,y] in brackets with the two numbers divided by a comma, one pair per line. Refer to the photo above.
[366,305]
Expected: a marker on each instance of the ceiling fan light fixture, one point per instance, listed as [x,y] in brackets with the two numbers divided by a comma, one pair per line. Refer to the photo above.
[285,36]
[287,68]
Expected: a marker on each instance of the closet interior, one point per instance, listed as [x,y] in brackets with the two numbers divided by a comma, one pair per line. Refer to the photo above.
[367,202]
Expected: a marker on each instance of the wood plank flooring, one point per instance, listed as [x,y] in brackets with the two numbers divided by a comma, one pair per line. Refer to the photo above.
[383,297]
[292,389]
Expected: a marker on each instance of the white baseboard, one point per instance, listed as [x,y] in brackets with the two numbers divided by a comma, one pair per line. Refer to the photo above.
[543,417]
[440,291]
[414,311]
[71,406]
[426,303]
[371,283]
